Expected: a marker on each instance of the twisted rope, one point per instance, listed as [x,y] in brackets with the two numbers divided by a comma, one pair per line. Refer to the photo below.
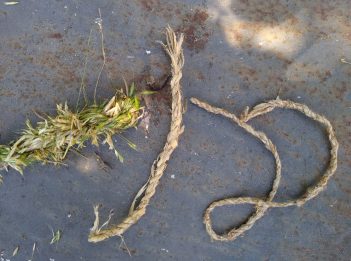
[262,205]
[175,53]
[174,50]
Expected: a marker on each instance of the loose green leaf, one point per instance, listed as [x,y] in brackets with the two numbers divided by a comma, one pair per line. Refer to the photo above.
[147,92]
[129,142]
[119,156]
[15,251]
[56,236]
[131,90]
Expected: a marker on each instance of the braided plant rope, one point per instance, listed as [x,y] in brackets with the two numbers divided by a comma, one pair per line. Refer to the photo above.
[174,50]
[263,204]
[53,137]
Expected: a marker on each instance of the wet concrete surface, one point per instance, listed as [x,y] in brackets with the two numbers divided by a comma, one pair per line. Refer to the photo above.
[237,53]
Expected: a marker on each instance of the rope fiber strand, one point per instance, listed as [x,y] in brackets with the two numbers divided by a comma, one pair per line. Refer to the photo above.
[262,205]
[173,48]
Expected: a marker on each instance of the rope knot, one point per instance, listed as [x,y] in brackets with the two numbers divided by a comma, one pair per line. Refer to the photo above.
[262,205]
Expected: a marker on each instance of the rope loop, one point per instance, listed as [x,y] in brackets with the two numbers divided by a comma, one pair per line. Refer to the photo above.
[262,205]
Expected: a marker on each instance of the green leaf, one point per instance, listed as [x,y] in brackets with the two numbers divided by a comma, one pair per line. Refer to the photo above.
[131,90]
[136,102]
[55,237]
[129,142]
[148,92]
[119,156]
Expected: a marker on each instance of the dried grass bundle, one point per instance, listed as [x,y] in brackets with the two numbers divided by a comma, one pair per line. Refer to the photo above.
[53,137]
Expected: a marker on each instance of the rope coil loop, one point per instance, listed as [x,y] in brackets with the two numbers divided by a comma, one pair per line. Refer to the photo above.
[262,205]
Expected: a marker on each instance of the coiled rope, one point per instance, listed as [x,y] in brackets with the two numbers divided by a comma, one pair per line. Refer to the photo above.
[261,204]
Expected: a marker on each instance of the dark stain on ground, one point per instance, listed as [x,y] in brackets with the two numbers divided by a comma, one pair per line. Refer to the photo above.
[195,29]
[158,103]
[17,45]
[161,8]
[247,73]
[193,23]
[161,104]
[55,36]
[340,92]
[147,5]
[52,60]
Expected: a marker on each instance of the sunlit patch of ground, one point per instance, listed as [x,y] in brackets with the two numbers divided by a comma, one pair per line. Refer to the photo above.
[314,38]
[284,37]
[86,164]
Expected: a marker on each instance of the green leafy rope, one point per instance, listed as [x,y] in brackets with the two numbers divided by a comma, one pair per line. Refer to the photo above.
[51,139]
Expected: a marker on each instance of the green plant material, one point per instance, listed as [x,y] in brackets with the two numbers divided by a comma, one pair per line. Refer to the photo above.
[15,251]
[53,137]
[56,236]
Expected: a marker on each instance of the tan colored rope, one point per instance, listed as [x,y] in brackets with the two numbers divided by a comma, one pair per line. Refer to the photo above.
[173,47]
[174,50]
[262,205]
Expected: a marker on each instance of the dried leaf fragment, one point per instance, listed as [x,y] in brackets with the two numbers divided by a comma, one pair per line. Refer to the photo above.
[11,3]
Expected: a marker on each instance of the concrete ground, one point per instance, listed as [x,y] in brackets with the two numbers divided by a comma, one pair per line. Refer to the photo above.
[237,53]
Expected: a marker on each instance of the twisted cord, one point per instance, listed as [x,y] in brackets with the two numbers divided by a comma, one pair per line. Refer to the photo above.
[262,205]
[173,48]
